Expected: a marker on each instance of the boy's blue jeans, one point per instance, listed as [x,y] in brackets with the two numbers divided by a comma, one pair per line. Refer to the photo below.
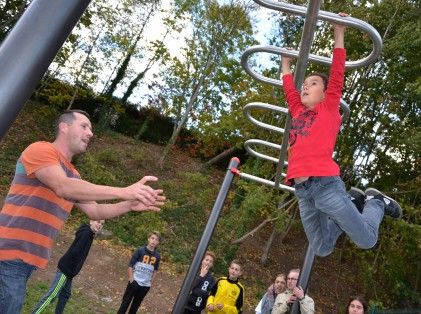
[13,277]
[326,211]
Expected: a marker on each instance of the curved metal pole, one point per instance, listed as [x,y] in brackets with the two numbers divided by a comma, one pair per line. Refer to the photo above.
[333,18]
[306,42]
[249,144]
[180,303]
[260,105]
[29,49]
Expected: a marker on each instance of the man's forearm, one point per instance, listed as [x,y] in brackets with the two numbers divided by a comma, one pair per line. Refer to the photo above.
[81,190]
[106,211]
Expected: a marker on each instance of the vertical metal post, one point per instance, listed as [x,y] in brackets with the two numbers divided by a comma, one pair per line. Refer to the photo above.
[304,278]
[180,303]
[29,49]
[300,70]
[304,51]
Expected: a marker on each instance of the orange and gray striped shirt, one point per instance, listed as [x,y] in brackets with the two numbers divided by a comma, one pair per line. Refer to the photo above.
[33,214]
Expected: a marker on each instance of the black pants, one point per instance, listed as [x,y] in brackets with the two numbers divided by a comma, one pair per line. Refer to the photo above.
[189,311]
[134,294]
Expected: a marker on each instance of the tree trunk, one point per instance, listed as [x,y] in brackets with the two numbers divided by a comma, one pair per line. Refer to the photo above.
[193,98]
[91,48]
[220,156]
[121,72]
[265,254]
[261,225]
[252,232]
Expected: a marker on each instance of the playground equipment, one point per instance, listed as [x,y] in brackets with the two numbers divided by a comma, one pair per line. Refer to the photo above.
[29,49]
[38,35]
[312,14]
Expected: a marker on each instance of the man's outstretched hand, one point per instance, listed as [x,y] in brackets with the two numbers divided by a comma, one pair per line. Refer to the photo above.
[155,205]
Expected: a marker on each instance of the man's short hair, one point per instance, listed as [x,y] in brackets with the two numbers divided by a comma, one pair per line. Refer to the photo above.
[68,116]
[157,233]
[323,76]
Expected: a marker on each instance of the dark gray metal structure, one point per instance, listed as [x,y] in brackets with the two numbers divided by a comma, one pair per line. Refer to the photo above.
[312,14]
[206,236]
[29,49]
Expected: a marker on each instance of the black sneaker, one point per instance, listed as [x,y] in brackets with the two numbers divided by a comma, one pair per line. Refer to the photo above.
[357,197]
[391,207]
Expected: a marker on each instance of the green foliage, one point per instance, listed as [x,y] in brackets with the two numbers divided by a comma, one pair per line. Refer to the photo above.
[133,228]
[192,199]
[10,11]
[55,92]
[201,80]
[144,124]
[94,171]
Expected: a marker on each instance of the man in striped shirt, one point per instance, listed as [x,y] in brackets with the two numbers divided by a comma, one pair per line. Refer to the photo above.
[45,187]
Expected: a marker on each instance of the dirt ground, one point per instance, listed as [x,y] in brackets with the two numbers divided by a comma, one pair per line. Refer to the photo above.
[108,260]
[104,274]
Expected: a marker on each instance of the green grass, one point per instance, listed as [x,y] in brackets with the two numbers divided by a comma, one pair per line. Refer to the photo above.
[78,303]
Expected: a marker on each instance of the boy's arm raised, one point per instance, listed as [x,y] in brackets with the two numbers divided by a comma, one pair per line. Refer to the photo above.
[285,65]
[292,96]
[337,70]
[339,33]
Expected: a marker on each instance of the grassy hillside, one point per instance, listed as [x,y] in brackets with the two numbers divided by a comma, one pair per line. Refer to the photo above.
[116,160]
[191,189]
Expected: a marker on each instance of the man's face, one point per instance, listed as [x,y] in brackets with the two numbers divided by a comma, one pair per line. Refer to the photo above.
[292,280]
[312,91]
[79,132]
[234,271]
[207,261]
[153,241]
[280,284]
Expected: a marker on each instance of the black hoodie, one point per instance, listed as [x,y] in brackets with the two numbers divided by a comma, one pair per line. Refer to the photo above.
[72,261]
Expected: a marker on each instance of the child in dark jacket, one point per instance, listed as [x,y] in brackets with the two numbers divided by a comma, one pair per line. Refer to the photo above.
[69,266]
[202,286]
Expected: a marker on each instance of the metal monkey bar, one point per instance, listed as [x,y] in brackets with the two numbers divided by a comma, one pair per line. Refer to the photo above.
[312,13]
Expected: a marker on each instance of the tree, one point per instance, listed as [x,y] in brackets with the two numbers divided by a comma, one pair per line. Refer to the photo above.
[10,12]
[197,81]
[143,19]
